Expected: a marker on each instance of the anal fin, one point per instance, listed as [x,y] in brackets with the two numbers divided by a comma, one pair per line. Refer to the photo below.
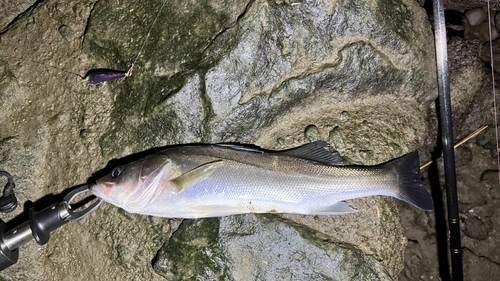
[338,208]
[218,210]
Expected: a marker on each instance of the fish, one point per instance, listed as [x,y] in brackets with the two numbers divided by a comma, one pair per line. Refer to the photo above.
[197,181]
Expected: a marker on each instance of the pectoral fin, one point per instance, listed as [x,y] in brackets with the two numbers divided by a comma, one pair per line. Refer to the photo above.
[194,176]
[335,209]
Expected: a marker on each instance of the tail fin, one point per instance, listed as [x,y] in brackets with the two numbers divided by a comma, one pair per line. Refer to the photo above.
[410,186]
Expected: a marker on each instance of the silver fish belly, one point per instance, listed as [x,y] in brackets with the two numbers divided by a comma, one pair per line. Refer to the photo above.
[208,181]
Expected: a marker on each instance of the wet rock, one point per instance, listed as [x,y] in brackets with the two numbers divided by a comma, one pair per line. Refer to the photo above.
[366,155]
[66,32]
[10,10]
[497,21]
[415,266]
[277,251]
[255,74]
[463,156]
[192,253]
[312,133]
[395,148]
[476,16]
[379,222]
[464,5]
[344,116]
[486,53]
[490,179]
[487,138]
[478,195]
[466,73]
[478,27]
[477,223]
[335,138]
[250,247]
[479,268]
[470,92]
[180,118]
[480,32]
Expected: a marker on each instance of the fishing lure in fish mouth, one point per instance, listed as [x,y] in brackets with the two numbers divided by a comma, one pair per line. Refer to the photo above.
[194,181]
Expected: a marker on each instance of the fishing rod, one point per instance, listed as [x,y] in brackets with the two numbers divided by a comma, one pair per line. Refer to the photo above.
[493,90]
[447,140]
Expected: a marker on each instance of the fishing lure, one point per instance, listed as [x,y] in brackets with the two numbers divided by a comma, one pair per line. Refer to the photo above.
[103,75]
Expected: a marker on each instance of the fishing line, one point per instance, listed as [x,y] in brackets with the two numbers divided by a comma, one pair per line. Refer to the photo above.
[98,76]
[21,59]
[129,71]
[146,39]
[494,94]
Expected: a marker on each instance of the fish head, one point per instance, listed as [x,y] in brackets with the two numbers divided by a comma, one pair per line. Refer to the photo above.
[132,186]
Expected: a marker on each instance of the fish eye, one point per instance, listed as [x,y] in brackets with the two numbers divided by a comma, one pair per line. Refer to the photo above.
[116,172]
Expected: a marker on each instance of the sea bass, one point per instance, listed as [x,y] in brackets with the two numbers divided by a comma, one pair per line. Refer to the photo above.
[195,181]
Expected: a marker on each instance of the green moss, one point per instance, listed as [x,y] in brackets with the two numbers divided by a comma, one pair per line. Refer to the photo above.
[175,49]
[326,278]
[354,264]
[5,279]
[192,251]
[126,214]
[336,139]
[387,215]
[397,17]
[312,133]
[207,109]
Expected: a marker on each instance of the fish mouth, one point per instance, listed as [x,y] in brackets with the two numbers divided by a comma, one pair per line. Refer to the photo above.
[102,191]
[104,187]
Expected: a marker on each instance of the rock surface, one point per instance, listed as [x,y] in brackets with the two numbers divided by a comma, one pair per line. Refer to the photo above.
[426,256]
[463,5]
[470,92]
[250,247]
[477,183]
[476,16]
[11,10]
[273,73]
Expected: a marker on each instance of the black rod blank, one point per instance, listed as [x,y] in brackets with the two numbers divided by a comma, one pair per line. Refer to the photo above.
[447,140]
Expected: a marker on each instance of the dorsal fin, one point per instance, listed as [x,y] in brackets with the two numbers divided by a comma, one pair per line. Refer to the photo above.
[319,151]
[240,147]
